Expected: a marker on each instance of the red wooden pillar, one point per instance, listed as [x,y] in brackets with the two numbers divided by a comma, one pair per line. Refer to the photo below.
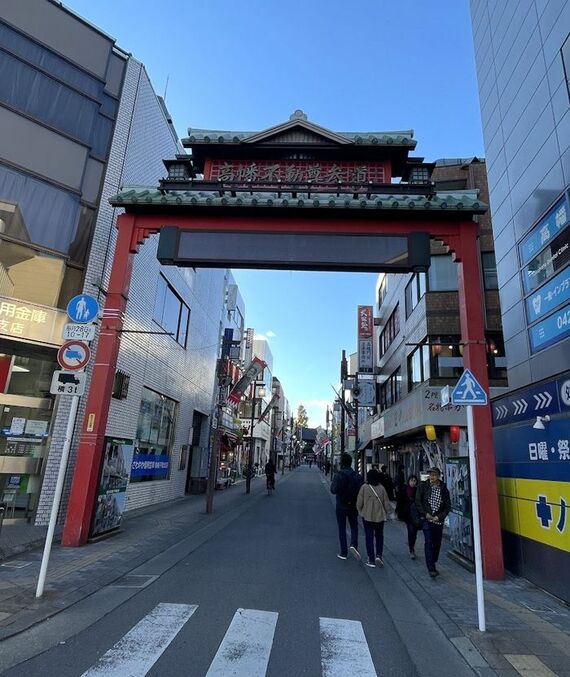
[90,449]
[475,358]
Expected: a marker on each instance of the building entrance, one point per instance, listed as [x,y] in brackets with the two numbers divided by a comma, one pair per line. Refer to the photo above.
[294,196]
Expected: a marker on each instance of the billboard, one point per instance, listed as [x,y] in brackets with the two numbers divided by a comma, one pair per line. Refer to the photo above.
[365,331]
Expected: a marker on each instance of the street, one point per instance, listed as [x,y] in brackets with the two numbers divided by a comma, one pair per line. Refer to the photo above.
[265,594]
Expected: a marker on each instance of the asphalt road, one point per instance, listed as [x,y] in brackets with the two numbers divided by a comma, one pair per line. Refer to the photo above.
[266,594]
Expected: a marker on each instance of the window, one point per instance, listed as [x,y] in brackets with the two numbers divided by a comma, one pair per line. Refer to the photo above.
[390,331]
[489,270]
[382,290]
[415,289]
[446,356]
[155,431]
[391,390]
[418,366]
[452,184]
[565,54]
[442,274]
[171,313]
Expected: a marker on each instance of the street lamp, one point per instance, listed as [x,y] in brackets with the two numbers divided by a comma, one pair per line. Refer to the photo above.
[261,394]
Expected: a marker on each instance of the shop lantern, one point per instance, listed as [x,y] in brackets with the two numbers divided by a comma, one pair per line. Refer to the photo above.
[454,434]
[430,433]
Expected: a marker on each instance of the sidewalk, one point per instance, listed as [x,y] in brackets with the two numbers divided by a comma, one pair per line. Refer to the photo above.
[76,573]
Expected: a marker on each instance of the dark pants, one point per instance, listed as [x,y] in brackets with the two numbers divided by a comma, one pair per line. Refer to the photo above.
[342,514]
[374,531]
[412,535]
[432,535]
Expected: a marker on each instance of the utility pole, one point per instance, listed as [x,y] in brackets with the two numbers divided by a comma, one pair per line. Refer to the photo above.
[343,375]
[251,442]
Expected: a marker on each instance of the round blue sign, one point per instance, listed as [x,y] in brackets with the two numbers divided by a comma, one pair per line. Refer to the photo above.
[83,308]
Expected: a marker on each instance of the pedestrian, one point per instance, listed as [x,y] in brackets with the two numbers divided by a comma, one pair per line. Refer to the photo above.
[386,482]
[374,507]
[433,504]
[407,511]
[399,479]
[345,485]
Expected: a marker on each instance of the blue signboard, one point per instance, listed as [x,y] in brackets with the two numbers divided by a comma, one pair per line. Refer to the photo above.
[468,390]
[552,259]
[83,308]
[552,397]
[532,454]
[549,297]
[150,465]
[545,230]
[551,330]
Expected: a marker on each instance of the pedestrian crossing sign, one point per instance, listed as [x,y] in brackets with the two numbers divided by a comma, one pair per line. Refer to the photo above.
[468,391]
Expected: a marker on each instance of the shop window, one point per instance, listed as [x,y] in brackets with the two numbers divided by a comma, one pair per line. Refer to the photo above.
[489,270]
[415,289]
[418,366]
[30,376]
[171,313]
[155,434]
[442,274]
[390,331]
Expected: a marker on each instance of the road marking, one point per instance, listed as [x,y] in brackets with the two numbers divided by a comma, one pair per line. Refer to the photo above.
[529,666]
[344,649]
[137,651]
[245,649]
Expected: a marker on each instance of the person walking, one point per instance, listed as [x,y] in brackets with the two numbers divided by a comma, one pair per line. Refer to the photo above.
[407,511]
[346,485]
[374,507]
[433,504]
[386,482]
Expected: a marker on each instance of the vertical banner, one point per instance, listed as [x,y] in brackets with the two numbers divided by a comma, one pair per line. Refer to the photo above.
[365,328]
[460,521]
[248,345]
[112,492]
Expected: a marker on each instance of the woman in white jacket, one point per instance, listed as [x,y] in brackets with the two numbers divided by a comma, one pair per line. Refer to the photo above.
[374,507]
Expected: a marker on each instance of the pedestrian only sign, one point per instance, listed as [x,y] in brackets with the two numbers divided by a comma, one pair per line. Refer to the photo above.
[83,309]
[73,355]
[468,391]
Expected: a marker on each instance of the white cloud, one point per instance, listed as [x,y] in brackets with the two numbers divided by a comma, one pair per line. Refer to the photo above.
[270,334]
[264,337]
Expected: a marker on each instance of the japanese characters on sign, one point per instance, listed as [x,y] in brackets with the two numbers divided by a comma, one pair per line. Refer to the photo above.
[550,330]
[365,327]
[21,320]
[545,230]
[297,171]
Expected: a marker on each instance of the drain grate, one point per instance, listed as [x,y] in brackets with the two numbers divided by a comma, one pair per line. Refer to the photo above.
[16,564]
[134,581]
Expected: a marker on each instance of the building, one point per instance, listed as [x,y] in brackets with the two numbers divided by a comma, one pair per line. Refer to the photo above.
[522,52]
[79,119]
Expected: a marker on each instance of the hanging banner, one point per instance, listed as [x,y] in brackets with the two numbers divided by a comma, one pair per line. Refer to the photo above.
[268,407]
[255,368]
[365,327]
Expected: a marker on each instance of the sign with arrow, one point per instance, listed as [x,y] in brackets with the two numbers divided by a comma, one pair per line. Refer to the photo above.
[526,404]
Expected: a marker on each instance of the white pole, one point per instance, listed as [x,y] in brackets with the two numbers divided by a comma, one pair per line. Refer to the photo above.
[475,520]
[57,495]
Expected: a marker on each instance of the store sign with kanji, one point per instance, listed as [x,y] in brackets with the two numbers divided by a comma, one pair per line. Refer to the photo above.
[297,171]
[23,320]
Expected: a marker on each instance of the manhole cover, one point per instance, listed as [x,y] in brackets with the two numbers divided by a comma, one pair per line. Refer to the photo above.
[16,564]
[134,581]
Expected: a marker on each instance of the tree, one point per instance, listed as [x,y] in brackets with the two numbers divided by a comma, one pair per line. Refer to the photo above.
[302,420]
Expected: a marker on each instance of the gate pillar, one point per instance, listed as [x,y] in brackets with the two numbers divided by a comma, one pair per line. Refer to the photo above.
[475,358]
[92,437]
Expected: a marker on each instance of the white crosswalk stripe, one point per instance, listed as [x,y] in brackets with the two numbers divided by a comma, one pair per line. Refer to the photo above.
[134,654]
[243,652]
[344,649]
[245,649]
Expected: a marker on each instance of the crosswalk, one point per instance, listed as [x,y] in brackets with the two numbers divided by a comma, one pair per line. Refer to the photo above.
[243,652]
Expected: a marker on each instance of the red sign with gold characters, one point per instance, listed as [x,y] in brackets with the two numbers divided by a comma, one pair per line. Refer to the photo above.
[365,321]
[365,326]
[286,172]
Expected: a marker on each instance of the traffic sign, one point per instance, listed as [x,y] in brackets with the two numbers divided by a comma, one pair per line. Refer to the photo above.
[83,308]
[73,355]
[68,383]
[79,332]
[468,391]
[445,394]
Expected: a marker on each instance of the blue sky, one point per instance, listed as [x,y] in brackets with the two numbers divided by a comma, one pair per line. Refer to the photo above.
[364,65]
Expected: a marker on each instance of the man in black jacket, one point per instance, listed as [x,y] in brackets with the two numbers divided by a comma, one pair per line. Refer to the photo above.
[433,504]
[345,485]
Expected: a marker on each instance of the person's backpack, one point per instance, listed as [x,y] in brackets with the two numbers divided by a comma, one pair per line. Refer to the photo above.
[349,488]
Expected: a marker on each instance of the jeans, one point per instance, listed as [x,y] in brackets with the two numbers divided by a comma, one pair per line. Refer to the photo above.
[432,535]
[412,535]
[374,531]
[342,514]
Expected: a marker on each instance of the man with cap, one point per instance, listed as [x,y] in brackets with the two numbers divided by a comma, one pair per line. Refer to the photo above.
[433,504]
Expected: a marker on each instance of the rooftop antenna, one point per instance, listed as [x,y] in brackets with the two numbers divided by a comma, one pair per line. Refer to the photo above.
[166,87]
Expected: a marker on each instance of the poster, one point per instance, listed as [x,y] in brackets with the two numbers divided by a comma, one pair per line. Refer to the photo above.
[111,495]
[460,527]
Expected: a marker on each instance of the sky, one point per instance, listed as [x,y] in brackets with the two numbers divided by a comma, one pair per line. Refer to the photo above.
[363,65]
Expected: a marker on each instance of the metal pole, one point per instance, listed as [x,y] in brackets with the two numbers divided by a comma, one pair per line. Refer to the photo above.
[57,495]
[476,525]
[214,458]
[250,459]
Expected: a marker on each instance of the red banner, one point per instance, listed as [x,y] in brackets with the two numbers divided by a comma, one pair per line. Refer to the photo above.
[255,368]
